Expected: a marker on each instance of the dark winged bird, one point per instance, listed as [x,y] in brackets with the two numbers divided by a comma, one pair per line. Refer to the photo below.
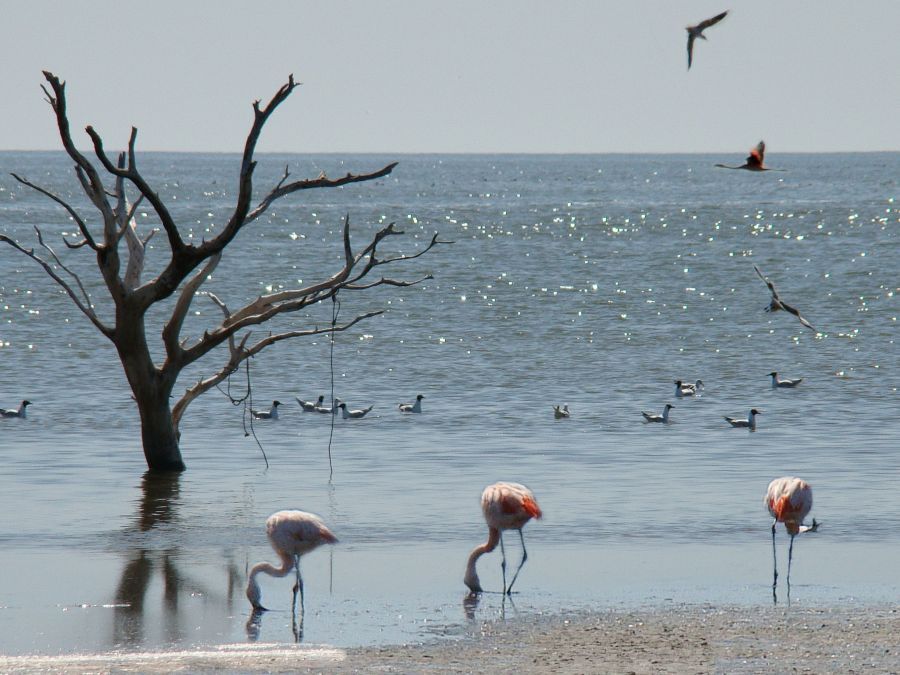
[754,161]
[695,32]
[777,303]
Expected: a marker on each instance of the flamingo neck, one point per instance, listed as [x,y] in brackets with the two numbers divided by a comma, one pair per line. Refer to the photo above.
[253,591]
[471,579]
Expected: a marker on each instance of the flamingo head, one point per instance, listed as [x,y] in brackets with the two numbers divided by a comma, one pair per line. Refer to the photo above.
[254,594]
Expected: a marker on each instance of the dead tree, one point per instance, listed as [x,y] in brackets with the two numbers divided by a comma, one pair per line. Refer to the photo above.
[187,268]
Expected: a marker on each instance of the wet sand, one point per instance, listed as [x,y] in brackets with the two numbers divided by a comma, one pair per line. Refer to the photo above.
[687,639]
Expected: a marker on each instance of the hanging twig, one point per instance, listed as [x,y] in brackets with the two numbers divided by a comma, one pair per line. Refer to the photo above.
[335,310]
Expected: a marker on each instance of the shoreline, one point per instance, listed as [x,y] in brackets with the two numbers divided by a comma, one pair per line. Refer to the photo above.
[680,639]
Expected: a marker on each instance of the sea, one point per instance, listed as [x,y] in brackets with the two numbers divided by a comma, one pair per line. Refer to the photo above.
[591,281]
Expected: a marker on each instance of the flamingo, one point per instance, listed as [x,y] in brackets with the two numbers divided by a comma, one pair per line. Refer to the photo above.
[19,412]
[506,506]
[412,407]
[749,423]
[777,303]
[354,414]
[561,413]
[310,406]
[754,161]
[292,534]
[779,382]
[664,418]
[789,500]
[695,32]
[270,414]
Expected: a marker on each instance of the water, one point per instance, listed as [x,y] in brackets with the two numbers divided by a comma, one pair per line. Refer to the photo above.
[593,281]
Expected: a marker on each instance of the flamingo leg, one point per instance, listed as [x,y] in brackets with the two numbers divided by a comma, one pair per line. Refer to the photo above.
[524,558]
[298,587]
[774,564]
[790,555]
[503,561]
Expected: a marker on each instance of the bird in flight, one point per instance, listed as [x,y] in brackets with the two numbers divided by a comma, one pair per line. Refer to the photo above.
[777,303]
[695,32]
[754,161]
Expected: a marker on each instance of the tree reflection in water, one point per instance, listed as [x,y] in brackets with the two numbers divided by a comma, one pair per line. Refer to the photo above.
[158,506]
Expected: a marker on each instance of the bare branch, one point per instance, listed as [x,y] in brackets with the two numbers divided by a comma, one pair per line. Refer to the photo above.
[172,329]
[85,309]
[240,354]
[72,212]
[387,282]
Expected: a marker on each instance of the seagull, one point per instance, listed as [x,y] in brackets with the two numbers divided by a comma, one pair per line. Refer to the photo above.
[777,303]
[749,423]
[561,413]
[271,414]
[412,407]
[777,382]
[319,408]
[687,389]
[695,32]
[664,418]
[310,406]
[20,412]
[754,161]
[354,414]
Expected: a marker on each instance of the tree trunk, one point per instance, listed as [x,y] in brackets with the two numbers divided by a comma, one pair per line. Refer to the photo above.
[152,389]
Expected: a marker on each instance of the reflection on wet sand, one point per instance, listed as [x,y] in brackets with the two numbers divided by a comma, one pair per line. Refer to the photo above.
[158,506]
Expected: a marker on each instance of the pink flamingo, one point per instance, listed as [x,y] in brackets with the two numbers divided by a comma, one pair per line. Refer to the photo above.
[754,161]
[789,501]
[292,534]
[506,506]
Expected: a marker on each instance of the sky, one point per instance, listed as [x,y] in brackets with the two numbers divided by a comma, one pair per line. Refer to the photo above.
[421,76]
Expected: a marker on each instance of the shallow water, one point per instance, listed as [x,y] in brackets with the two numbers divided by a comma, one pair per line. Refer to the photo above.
[587,280]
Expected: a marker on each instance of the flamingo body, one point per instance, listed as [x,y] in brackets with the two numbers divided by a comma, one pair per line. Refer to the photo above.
[291,534]
[506,506]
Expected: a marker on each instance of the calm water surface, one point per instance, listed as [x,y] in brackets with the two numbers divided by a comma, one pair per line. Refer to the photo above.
[593,281]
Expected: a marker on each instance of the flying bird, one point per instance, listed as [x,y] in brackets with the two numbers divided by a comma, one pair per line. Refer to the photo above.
[695,32]
[18,412]
[749,423]
[292,534]
[777,303]
[354,414]
[789,500]
[310,406]
[506,506]
[412,407]
[664,418]
[778,382]
[561,413]
[270,414]
[754,161]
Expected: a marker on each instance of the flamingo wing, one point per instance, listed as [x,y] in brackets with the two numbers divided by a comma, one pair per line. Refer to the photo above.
[690,48]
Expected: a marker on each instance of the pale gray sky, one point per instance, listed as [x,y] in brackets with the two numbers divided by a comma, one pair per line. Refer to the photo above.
[458,76]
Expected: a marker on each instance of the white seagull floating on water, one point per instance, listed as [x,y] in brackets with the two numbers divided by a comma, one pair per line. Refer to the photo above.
[412,407]
[664,418]
[354,414]
[778,382]
[310,406]
[686,388]
[333,410]
[270,414]
[749,423]
[19,412]
[561,413]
